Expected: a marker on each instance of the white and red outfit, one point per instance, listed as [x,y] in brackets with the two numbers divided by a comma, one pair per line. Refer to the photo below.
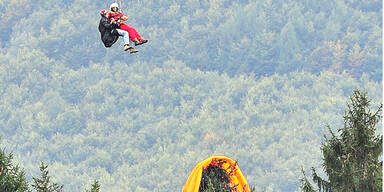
[120,18]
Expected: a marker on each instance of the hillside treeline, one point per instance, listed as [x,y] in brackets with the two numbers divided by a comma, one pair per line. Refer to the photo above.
[258,37]
[255,81]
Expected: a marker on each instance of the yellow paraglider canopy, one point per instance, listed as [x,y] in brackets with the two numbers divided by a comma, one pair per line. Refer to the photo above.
[237,179]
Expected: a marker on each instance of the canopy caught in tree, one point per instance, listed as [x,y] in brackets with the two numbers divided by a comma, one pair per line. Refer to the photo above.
[219,169]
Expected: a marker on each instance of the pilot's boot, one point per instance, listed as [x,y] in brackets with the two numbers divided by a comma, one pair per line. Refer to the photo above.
[126,47]
[132,50]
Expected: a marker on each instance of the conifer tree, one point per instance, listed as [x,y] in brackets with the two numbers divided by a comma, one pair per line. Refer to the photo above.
[95,187]
[306,185]
[44,184]
[215,179]
[11,177]
[351,159]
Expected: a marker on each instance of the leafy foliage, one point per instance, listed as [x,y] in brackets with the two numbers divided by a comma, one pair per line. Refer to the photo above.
[253,80]
[253,37]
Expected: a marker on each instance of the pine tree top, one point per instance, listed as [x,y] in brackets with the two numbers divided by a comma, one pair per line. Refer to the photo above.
[351,159]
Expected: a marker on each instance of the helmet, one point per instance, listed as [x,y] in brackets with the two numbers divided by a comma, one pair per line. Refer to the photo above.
[114,5]
[103,12]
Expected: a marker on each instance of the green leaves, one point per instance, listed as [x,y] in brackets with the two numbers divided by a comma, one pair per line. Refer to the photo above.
[252,79]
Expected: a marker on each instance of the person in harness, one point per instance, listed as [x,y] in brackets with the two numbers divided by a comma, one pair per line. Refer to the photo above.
[118,18]
[110,33]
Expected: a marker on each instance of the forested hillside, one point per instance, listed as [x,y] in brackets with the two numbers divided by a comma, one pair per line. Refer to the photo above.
[257,81]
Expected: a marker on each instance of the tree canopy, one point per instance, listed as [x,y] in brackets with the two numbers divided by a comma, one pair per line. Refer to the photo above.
[254,80]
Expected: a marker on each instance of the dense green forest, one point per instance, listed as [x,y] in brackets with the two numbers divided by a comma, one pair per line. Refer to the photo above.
[257,81]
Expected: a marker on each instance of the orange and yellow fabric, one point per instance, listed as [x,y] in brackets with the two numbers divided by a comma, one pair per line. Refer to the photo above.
[230,166]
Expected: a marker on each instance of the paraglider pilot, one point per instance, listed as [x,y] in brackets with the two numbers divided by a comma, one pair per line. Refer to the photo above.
[110,33]
[118,18]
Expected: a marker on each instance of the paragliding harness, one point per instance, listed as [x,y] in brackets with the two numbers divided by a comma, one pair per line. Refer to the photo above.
[119,21]
[109,34]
